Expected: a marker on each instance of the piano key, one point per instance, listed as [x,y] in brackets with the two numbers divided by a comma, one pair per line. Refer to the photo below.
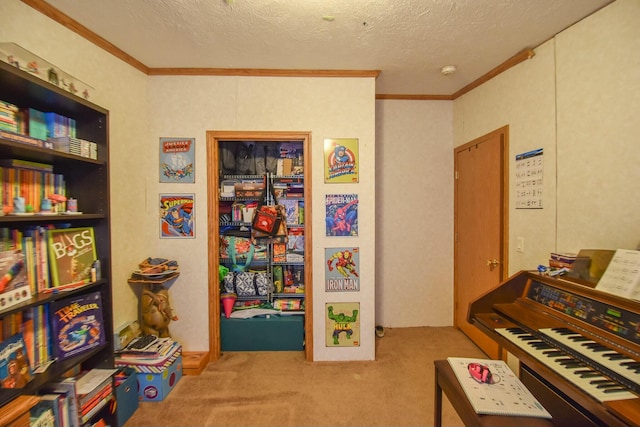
[553,358]
[601,354]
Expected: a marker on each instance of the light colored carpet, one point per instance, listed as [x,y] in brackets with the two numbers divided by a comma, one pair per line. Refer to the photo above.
[282,389]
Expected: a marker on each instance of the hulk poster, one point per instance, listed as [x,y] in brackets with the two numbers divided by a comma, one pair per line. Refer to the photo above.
[342,320]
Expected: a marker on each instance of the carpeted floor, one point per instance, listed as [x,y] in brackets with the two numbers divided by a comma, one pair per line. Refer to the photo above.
[282,389]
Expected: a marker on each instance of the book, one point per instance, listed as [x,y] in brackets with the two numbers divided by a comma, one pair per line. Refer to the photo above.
[502,394]
[72,252]
[14,286]
[51,401]
[64,403]
[15,370]
[622,276]
[68,385]
[77,325]
[92,383]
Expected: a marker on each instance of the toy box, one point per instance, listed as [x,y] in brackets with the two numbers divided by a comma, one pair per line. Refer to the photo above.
[155,387]
[126,395]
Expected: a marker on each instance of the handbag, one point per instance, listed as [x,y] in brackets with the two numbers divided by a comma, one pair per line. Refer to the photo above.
[269,224]
[240,281]
[247,283]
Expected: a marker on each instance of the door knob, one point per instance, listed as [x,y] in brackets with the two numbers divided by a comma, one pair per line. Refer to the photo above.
[493,263]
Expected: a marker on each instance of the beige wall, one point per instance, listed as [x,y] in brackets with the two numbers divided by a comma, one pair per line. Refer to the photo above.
[578,99]
[143,109]
[414,194]
[329,108]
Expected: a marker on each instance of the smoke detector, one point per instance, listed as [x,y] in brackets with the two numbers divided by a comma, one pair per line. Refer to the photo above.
[448,69]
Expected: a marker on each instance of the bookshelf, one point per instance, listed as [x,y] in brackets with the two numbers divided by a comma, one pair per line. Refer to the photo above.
[87,181]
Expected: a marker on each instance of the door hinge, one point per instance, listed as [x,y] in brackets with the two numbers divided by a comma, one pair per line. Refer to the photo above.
[456,175]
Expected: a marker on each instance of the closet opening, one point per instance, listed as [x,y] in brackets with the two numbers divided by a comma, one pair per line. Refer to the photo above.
[260,275]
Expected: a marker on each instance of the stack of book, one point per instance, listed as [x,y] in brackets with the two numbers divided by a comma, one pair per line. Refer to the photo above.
[84,395]
[8,116]
[562,259]
[152,359]
[77,146]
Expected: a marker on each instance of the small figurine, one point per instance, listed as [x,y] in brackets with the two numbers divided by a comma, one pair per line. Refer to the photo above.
[32,67]
[53,77]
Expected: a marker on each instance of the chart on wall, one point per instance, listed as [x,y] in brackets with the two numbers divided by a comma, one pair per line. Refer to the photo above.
[341,160]
[529,171]
[177,159]
[341,214]
[342,324]
[342,269]
[177,212]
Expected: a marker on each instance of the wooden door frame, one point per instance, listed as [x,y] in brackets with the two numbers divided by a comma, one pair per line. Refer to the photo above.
[213,229]
[503,133]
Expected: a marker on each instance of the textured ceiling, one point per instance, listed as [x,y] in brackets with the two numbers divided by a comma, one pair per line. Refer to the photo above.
[407,40]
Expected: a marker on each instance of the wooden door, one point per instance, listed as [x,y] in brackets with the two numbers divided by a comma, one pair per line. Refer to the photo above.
[480,260]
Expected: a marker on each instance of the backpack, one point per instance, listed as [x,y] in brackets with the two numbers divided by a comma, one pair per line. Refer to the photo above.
[267,154]
[227,151]
[245,159]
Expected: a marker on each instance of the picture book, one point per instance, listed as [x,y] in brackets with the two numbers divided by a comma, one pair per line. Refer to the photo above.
[177,216]
[72,252]
[493,388]
[341,214]
[15,370]
[77,325]
[291,210]
[14,286]
[341,271]
[341,160]
[177,160]
[342,324]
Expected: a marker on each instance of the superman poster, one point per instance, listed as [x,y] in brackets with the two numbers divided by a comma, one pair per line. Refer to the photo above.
[177,216]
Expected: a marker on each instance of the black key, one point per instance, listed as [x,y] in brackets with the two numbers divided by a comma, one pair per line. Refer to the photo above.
[579,338]
[615,390]
[603,381]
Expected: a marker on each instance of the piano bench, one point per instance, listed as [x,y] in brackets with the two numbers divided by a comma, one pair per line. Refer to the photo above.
[445,380]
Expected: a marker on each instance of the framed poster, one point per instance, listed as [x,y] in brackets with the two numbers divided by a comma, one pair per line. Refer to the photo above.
[177,216]
[341,160]
[342,324]
[177,160]
[341,214]
[341,269]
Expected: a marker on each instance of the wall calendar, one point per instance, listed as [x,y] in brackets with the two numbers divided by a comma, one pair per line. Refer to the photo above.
[529,171]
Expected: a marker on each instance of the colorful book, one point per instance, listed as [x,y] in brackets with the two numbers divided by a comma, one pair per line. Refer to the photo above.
[15,371]
[72,252]
[77,325]
[14,285]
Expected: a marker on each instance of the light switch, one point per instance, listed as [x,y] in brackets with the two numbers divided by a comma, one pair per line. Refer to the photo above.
[520,244]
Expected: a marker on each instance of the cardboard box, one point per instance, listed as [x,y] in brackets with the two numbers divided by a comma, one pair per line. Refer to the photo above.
[248,189]
[155,387]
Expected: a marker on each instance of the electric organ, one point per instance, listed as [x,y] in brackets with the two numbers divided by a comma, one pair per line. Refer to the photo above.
[578,348]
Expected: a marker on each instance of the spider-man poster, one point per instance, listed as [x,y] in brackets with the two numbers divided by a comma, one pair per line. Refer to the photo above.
[341,214]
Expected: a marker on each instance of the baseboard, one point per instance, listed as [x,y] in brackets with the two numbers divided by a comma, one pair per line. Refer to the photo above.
[194,362]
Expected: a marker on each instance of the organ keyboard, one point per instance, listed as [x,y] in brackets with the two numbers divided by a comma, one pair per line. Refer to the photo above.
[579,348]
